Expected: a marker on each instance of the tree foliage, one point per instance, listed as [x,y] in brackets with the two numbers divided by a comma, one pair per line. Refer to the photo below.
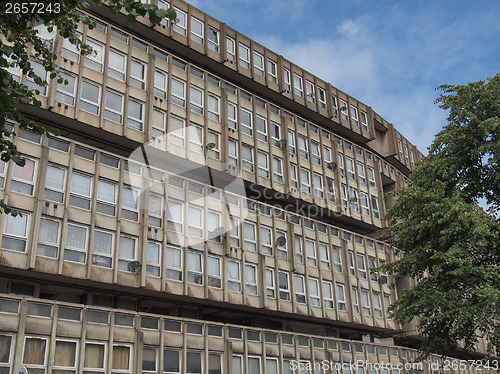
[21,44]
[450,245]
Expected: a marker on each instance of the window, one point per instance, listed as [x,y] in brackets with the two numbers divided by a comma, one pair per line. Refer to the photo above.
[70,51]
[193,362]
[66,91]
[251,279]
[343,187]
[174,263]
[171,361]
[377,304]
[328,294]
[160,84]
[371,176]
[234,278]
[197,30]
[310,92]
[232,120]
[364,120]
[80,191]
[116,65]
[102,254]
[330,190]
[287,79]
[148,359]
[135,117]
[293,176]
[106,198]
[277,170]
[387,304]
[230,49]
[298,249]
[263,164]
[365,300]
[297,85]
[258,64]
[246,122]
[272,72]
[177,132]
[284,286]
[244,53]
[266,240]
[355,299]
[343,110]
[39,71]
[138,74]
[400,147]
[341,305]
[247,157]
[350,167]
[196,100]
[375,211]
[303,147]
[311,252]
[213,224]
[15,233]
[318,185]
[127,252]
[314,292]
[337,260]
[213,39]
[155,210]
[324,256]
[54,184]
[213,107]
[305,179]
[270,288]
[232,149]
[361,173]
[249,237]
[300,289]
[94,356]
[354,200]
[321,98]
[364,204]
[130,200]
[261,125]
[35,354]
[48,238]
[90,96]
[174,215]
[180,23]
[195,268]
[315,152]
[411,158]
[95,59]
[354,115]
[76,243]
[113,106]
[214,272]
[5,354]
[214,138]
[352,269]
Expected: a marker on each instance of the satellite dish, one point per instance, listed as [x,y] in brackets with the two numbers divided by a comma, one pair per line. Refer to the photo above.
[331,165]
[217,232]
[22,370]
[133,266]
[281,241]
[210,146]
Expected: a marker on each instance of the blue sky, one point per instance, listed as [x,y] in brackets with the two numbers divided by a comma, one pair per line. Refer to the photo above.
[390,55]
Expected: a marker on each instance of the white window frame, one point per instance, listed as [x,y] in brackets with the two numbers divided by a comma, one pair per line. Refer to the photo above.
[154,268]
[365,301]
[247,164]
[322,98]
[337,260]
[63,95]
[232,115]
[343,110]
[365,205]
[196,106]
[300,289]
[244,62]
[324,256]
[180,24]
[314,292]
[310,95]
[340,296]
[234,280]
[270,284]
[230,49]
[55,245]
[135,80]
[84,250]
[298,87]
[319,190]
[305,180]
[251,287]
[134,210]
[249,243]
[174,273]
[377,304]
[287,79]
[351,172]
[176,224]
[136,123]
[355,300]
[174,97]
[122,260]
[213,107]
[195,276]
[246,128]
[364,120]
[277,169]
[371,177]
[197,37]
[109,112]
[232,150]
[261,132]
[263,164]
[311,252]
[258,68]
[56,190]
[214,278]
[160,84]
[106,203]
[328,295]
[354,115]
[94,104]
[374,203]
[94,60]
[294,183]
[115,71]
[213,44]
[272,71]
[299,253]
[14,236]
[284,292]
[97,254]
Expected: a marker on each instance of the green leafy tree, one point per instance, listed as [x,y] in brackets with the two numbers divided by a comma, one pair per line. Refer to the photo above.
[450,245]
[18,37]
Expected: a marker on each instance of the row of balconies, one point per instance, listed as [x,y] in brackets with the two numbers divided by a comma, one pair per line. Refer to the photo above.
[46,335]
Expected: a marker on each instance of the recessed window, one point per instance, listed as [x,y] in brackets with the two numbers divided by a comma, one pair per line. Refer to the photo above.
[213,39]
[76,243]
[247,157]
[113,106]
[160,84]
[48,238]
[244,56]
[272,71]
[66,90]
[116,65]
[15,233]
[258,64]
[138,74]
[80,190]
[90,97]
[95,59]
[178,94]
[234,277]
[196,100]
[297,85]
[102,254]
[180,23]
[231,49]
[127,252]
[197,30]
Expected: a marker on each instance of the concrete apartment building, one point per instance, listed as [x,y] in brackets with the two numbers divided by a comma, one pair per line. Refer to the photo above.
[238,237]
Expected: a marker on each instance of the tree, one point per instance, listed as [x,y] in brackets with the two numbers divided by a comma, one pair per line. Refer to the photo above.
[450,245]
[63,16]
